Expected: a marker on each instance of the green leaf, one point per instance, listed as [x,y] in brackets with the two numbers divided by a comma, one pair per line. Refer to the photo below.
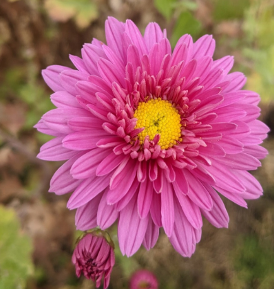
[165,7]
[186,24]
[15,251]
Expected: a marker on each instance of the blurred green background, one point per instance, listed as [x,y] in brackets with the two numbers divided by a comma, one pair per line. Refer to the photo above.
[37,231]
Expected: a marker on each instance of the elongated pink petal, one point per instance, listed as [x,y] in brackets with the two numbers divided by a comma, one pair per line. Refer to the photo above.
[107,214]
[53,150]
[153,34]
[86,216]
[87,190]
[131,229]
[145,198]
[167,208]
[151,236]
[51,76]
[64,99]
[182,238]
[204,46]
[86,165]
[62,182]
[83,140]
[218,215]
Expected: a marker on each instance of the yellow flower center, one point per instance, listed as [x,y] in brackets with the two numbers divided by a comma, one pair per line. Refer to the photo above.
[158,116]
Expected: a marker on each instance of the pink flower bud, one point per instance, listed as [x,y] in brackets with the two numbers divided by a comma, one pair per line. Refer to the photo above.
[143,279]
[94,257]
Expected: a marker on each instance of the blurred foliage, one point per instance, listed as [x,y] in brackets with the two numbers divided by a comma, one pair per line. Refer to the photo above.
[181,13]
[257,22]
[83,12]
[15,251]
[232,9]
[261,78]
[165,7]
[21,83]
[254,264]
[185,24]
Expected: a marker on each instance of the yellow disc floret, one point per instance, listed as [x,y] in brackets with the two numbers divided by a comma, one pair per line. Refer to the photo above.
[158,116]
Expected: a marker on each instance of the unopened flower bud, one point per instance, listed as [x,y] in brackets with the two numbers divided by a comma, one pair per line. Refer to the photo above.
[143,279]
[94,257]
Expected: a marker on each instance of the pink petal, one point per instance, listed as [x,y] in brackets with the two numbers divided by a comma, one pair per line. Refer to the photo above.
[153,34]
[120,205]
[51,76]
[131,229]
[114,36]
[53,150]
[241,161]
[57,119]
[87,190]
[107,214]
[110,73]
[83,140]
[204,46]
[167,208]
[85,166]
[145,198]
[155,209]
[43,128]
[191,211]
[253,188]
[86,216]
[151,235]
[136,37]
[109,164]
[63,99]
[62,182]
[121,181]
[84,123]
[224,63]
[157,53]
[218,215]
[91,54]
[197,192]
[78,63]
[225,178]
[237,81]
[236,198]
[114,59]
[230,145]
[69,78]
[256,151]
[182,238]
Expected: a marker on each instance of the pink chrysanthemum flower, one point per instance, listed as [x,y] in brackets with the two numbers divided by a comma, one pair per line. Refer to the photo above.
[152,136]
[94,258]
[143,279]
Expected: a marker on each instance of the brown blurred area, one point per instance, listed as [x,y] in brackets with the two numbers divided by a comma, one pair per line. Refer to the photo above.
[35,34]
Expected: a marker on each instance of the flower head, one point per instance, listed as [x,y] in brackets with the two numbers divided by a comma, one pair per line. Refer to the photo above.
[143,279]
[152,136]
[94,258]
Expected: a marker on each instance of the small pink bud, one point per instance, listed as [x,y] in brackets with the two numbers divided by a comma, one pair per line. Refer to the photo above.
[94,257]
[143,279]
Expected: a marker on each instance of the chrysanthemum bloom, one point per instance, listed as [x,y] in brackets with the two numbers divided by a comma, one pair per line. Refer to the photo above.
[94,258]
[143,279]
[152,136]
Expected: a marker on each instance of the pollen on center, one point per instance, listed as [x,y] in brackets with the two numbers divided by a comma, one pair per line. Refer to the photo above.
[158,116]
